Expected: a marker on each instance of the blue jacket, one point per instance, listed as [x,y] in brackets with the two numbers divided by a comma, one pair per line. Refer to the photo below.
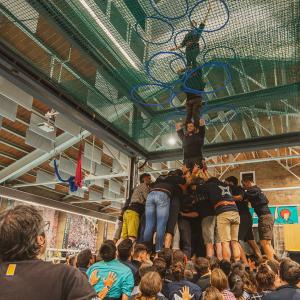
[285,292]
[172,288]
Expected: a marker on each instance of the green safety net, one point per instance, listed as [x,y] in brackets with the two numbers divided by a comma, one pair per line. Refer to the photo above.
[113,57]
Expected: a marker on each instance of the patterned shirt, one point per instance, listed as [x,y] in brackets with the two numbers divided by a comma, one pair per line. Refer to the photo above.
[227,295]
[140,194]
[259,296]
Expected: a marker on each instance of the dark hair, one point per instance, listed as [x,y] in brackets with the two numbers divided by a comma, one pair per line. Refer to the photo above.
[178,256]
[189,270]
[236,285]
[214,262]
[237,268]
[265,277]
[178,271]
[72,260]
[138,248]
[145,268]
[19,229]
[232,179]
[254,259]
[124,249]
[167,255]
[289,271]
[202,265]
[225,266]
[248,281]
[160,266]
[274,265]
[83,258]
[142,177]
[178,172]
[108,250]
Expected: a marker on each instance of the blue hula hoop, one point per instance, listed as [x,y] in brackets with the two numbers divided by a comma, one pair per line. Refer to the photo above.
[218,47]
[171,67]
[186,30]
[134,89]
[153,4]
[155,43]
[148,62]
[213,30]
[198,92]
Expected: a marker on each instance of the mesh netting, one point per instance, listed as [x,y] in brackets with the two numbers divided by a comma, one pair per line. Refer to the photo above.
[114,58]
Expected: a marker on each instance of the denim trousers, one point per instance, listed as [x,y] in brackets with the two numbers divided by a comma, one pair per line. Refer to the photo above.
[157,214]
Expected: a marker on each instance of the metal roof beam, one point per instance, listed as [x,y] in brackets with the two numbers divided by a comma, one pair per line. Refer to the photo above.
[245,129]
[37,157]
[241,97]
[21,196]
[88,178]
[259,143]
[21,74]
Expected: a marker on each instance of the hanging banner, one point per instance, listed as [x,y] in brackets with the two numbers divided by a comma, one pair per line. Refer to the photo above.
[282,215]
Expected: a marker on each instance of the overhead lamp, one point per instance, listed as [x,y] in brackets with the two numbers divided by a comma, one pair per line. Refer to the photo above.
[108,33]
[172,141]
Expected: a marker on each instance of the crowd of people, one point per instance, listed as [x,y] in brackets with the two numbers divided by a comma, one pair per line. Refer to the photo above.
[130,270]
[212,216]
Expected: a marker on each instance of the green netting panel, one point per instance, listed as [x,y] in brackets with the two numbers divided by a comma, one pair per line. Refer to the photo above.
[102,4]
[137,11]
[90,55]
[118,21]
[137,45]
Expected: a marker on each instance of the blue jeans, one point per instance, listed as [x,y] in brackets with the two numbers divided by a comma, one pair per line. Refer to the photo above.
[157,214]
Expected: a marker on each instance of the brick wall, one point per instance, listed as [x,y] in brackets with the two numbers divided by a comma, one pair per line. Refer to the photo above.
[272,175]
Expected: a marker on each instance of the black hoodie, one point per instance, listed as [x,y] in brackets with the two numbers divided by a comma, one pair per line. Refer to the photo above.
[218,191]
[258,200]
[168,184]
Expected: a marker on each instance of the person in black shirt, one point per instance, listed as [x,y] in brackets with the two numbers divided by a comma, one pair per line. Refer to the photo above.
[173,217]
[189,210]
[157,207]
[208,223]
[259,202]
[228,218]
[203,272]
[23,275]
[85,259]
[191,41]
[192,144]
[245,229]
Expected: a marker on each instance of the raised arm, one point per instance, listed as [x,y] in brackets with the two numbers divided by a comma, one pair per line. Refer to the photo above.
[192,214]
[182,45]
[202,128]
[179,130]
[207,14]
